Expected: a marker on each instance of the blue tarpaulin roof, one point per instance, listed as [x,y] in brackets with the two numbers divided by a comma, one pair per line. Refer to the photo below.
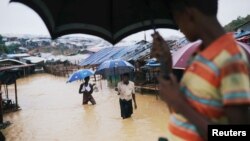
[100,56]
[127,53]
[140,51]
[241,34]
[92,57]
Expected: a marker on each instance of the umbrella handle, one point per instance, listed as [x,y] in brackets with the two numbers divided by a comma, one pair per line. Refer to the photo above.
[153,25]
[148,4]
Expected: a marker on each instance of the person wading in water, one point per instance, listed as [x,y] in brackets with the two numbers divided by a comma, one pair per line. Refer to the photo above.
[87,89]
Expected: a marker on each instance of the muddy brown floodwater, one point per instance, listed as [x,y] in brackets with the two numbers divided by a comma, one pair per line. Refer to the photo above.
[52,111]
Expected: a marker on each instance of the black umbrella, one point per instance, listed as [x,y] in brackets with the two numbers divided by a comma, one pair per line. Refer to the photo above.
[111,20]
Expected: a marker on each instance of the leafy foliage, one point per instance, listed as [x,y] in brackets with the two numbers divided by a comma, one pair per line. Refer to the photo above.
[235,23]
[7,49]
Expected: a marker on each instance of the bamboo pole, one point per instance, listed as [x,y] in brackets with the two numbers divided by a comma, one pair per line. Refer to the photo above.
[1,106]
[67,72]
[101,82]
[16,95]
[7,91]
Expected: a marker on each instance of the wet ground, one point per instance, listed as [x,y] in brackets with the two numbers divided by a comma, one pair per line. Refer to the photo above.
[52,111]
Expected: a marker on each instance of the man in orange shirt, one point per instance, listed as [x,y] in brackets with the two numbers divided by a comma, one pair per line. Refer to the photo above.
[215,88]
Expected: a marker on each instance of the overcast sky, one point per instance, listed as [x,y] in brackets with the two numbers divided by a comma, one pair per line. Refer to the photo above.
[16,18]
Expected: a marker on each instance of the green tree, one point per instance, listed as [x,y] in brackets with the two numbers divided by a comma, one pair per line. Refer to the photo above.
[1,39]
[235,23]
[3,49]
[7,49]
[12,48]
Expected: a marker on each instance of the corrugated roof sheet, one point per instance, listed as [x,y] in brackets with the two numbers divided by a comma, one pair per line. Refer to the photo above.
[127,53]
[12,61]
[17,55]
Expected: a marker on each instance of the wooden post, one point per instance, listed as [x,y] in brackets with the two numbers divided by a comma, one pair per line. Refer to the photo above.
[114,77]
[95,77]
[16,95]
[67,72]
[63,71]
[1,106]
[94,74]
[24,72]
[101,82]
[154,71]
[7,91]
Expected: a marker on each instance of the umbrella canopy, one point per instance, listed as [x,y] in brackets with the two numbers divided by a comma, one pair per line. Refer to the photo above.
[246,49]
[111,20]
[112,67]
[244,39]
[181,57]
[241,34]
[80,74]
[153,63]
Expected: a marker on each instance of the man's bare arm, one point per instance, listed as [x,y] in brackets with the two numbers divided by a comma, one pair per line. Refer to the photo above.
[134,99]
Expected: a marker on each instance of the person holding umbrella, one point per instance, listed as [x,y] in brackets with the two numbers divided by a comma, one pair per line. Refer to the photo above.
[126,90]
[215,88]
[87,89]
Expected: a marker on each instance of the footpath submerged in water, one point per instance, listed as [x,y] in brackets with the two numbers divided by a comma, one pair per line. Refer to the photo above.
[52,111]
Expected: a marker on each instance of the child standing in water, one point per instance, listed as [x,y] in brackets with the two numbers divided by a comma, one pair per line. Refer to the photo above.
[87,89]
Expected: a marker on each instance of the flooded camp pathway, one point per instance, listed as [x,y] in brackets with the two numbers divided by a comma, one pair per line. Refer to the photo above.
[52,111]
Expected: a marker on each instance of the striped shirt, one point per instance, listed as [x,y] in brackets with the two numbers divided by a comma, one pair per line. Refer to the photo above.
[217,77]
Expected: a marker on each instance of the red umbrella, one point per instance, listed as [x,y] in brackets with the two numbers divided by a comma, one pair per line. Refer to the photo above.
[246,48]
[244,39]
[181,57]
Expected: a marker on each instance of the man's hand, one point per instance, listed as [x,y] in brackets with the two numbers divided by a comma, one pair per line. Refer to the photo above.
[135,106]
[133,97]
[160,47]
[161,51]
[170,93]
